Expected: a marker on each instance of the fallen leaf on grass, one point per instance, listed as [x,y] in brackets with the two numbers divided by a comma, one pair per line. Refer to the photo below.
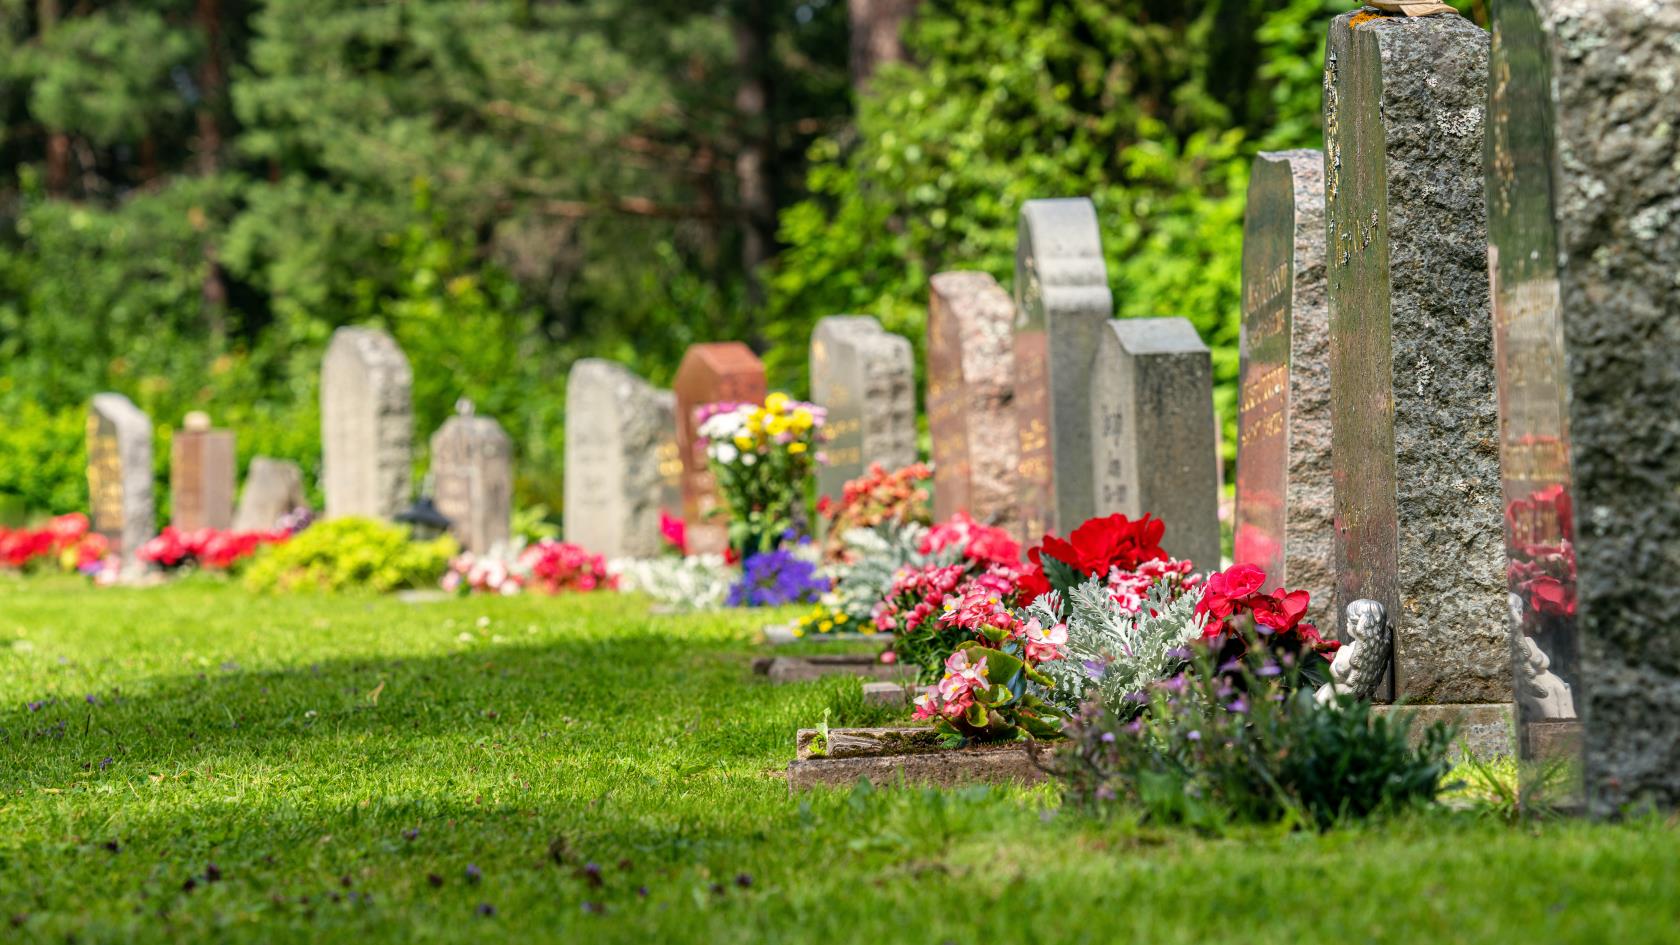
[373,696]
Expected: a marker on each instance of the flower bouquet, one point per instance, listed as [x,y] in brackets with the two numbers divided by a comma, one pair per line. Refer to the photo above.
[876,499]
[762,457]
[66,540]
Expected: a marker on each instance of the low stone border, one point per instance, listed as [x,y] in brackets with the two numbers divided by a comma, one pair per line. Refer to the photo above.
[888,756]
[786,669]
[783,635]
[886,693]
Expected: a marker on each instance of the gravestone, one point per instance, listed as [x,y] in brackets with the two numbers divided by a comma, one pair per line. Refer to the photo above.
[119,451]
[1583,254]
[202,470]
[715,372]
[273,489]
[1414,433]
[367,425]
[866,379]
[1151,404]
[1061,300]
[472,479]
[620,447]
[971,398]
[1284,493]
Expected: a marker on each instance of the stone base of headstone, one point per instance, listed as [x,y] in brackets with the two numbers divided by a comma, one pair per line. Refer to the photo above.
[1488,731]
[1546,741]
[889,756]
[423,596]
[886,693]
[786,669]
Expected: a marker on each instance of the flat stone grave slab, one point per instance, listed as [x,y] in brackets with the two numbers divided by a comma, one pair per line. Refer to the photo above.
[783,635]
[907,755]
[786,669]
[886,693]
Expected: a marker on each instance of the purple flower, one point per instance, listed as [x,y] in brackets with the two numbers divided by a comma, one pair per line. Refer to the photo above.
[1095,670]
[1193,735]
[1269,669]
[775,578]
[1239,705]
[1105,793]
[1108,738]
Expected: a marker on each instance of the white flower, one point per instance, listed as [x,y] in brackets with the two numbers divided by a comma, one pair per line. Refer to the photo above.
[747,459]
[725,452]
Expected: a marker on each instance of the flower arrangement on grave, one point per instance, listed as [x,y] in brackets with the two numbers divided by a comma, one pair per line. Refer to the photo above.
[954,557]
[546,566]
[876,499]
[692,582]
[1115,650]
[1233,601]
[991,687]
[870,559]
[762,457]
[777,578]
[1125,553]
[210,549]
[66,541]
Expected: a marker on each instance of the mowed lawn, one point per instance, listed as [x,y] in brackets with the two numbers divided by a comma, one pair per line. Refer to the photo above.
[191,763]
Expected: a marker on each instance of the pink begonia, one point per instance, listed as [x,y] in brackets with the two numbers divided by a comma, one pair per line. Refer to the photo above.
[1130,589]
[1043,645]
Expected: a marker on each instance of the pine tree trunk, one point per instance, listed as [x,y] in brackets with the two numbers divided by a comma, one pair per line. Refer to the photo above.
[213,83]
[877,35]
[58,142]
[755,161]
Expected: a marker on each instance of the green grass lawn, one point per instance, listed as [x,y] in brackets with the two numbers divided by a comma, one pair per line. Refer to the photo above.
[364,770]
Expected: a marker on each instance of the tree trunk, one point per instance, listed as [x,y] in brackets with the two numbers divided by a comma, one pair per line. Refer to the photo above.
[213,85]
[755,161]
[877,35]
[58,142]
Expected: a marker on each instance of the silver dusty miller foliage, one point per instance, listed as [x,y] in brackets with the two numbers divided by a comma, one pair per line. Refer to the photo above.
[879,554]
[1112,654]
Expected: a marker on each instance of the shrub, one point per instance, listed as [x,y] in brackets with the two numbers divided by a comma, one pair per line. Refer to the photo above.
[350,554]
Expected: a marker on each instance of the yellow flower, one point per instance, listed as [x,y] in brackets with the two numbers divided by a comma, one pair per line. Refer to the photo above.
[777,402]
[802,419]
[777,426]
[842,618]
[825,626]
[796,448]
[744,442]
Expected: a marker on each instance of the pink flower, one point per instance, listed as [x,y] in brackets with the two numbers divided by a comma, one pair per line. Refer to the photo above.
[1043,645]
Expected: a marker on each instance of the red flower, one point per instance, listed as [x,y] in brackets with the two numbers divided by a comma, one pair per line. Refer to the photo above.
[1096,548]
[1237,590]
[675,532]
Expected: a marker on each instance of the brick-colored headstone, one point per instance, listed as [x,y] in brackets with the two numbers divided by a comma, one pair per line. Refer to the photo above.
[273,489]
[1415,432]
[971,398]
[622,464]
[715,372]
[472,480]
[367,425]
[1151,404]
[1061,299]
[119,450]
[1285,502]
[1584,253]
[866,379]
[202,470]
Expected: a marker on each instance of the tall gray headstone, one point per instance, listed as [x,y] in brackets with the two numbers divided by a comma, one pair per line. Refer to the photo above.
[472,479]
[622,464]
[1414,423]
[1061,300]
[971,398]
[866,379]
[1284,491]
[1582,194]
[202,472]
[367,425]
[273,489]
[119,452]
[1151,407]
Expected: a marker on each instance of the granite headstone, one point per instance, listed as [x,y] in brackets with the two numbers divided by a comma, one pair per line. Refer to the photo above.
[201,475]
[866,379]
[273,490]
[1151,405]
[1284,493]
[1062,300]
[971,398]
[714,372]
[367,425]
[472,479]
[622,465]
[119,452]
[1414,436]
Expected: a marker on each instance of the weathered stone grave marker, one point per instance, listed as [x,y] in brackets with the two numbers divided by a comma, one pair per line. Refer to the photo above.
[866,378]
[119,451]
[1151,406]
[971,398]
[1581,189]
[202,469]
[367,424]
[1284,493]
[273,489]
[620,446]
[472,478]
[1061,300]
[1414,424]
[715,372]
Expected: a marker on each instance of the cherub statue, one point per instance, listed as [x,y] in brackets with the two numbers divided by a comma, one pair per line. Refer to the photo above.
[1362,661]
[1544,694]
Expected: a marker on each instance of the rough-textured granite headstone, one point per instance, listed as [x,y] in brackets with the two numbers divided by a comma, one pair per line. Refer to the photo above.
[866,378]
[971,398]
[1151,404]
[620,444]
[119,450]
[472,479]
[1284,493]
[1584,251]
[715,372]
[201,476]
[273,489]
[1061,301]
[1415,436]
[367,425]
